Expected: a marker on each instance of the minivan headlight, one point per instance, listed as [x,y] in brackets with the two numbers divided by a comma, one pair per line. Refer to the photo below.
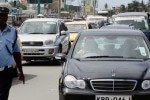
[71,82]
[146,84]
[48,42]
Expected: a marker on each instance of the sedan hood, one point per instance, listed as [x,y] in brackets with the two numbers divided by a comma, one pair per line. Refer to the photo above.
[36,37]
[107,69]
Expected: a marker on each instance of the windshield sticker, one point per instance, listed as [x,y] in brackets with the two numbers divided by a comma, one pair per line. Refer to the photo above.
[142,51]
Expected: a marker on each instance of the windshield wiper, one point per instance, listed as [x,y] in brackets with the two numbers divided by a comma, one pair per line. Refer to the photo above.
[77,59]
[49,33]
[104,57]
[135,58]
[36,33]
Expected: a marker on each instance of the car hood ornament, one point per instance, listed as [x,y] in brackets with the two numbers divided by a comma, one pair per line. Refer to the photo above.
[113,73]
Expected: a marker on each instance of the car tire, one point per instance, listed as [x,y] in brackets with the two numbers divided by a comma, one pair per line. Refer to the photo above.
[61,97]
[56,62]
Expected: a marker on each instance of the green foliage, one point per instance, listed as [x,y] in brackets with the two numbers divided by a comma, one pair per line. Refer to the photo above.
[136,6]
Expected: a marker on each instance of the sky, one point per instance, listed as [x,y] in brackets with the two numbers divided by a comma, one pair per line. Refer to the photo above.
[101,3]
[114,3]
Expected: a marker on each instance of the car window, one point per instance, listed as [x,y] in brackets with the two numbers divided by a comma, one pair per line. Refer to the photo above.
[76,27]
[138,22]
[111,46]
[39,27]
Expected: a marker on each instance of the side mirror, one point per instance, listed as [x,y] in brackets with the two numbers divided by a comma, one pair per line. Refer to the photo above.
[60,56]
[63,33]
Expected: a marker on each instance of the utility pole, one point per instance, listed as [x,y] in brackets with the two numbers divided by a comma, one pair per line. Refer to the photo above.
[94,6]
[59,8]
[38,6]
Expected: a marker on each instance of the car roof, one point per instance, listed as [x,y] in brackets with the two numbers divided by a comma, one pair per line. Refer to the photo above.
[131,14]
[112,32]
[117,26]
[42,19]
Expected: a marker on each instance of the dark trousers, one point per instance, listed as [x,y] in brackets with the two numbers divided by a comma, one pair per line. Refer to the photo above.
[6,77]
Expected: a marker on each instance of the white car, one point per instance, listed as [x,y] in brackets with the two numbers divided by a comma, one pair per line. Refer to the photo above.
[43,38]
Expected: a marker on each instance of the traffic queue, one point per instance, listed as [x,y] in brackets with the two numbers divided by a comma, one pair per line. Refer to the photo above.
[102,60]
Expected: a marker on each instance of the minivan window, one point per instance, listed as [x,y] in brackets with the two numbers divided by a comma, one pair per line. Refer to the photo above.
[39,27]
[76,27]
[138,22]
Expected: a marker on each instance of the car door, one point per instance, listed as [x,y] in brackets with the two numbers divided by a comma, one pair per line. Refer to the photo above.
[65,39]
[62,39]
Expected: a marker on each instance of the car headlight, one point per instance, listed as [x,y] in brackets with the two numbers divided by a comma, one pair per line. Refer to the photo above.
[146,84]
[48,42]
[71,82]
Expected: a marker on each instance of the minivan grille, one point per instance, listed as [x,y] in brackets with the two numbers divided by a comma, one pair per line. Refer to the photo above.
[112,85]
[31,43]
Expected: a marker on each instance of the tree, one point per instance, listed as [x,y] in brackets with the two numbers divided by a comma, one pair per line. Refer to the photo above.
[122,8]
[134,6]
[129,8]
[148,6]
[16,4]
[106,6]
[142,5]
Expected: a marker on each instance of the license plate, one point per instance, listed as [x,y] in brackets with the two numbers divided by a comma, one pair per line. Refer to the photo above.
[30,51]
[113,97]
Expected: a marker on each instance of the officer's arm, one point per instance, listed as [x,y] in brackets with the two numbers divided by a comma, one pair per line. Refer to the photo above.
[17,57]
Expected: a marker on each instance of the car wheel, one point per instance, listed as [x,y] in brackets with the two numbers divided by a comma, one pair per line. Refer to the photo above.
[56,62]
[61,97]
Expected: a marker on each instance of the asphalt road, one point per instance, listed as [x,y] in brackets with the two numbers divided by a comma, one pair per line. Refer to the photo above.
[41,82]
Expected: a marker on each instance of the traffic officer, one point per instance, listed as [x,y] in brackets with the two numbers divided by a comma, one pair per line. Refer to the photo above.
[9,52]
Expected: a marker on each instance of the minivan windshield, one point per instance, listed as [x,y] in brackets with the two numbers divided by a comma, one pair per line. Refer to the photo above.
[138,22]
[126,47]
[39,27]
[76,27]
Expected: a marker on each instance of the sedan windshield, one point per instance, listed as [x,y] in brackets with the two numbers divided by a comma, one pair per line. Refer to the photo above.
[39,27]
[76,27]
[133,47]
[138,22]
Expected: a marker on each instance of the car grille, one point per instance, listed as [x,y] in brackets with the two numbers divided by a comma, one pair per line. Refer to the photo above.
[113,85]
[32,43]
[33,53]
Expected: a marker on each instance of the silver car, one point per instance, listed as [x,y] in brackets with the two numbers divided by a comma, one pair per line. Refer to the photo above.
[43,38]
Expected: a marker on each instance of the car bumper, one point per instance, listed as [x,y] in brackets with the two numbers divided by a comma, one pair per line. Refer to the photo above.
[76,94]
[39,52]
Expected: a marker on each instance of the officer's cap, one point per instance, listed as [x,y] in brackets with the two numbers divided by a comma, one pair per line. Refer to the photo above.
[5,8]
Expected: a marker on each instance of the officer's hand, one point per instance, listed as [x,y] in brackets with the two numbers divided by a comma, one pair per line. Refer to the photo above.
[22,77]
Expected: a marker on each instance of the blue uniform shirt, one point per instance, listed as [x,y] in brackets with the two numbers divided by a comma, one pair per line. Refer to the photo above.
[8,45]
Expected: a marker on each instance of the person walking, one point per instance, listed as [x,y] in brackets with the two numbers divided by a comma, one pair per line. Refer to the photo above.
[9,52]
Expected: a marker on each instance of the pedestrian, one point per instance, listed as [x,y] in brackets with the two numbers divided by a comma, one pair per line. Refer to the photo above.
[9,52]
